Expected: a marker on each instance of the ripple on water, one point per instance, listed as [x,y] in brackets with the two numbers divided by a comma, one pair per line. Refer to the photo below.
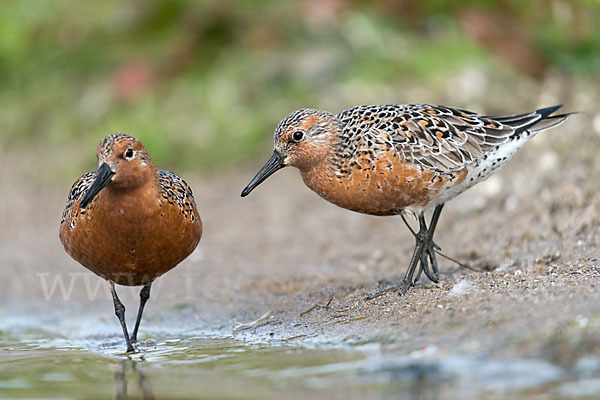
[59,361]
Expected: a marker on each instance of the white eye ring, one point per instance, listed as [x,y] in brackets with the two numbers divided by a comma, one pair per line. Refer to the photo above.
[129,154]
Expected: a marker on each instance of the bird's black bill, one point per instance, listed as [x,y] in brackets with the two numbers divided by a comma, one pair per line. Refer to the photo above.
[103,176]
[274,164]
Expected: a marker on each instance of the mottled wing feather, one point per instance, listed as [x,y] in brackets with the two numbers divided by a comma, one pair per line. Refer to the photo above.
[444,139]
[176,191]
[78,190]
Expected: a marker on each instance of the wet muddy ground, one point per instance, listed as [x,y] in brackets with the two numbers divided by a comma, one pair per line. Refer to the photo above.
[526,324]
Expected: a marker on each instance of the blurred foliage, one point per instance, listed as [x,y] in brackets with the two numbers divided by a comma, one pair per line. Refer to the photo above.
[204,83]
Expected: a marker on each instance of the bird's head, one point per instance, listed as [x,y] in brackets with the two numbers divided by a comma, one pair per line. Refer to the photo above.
[302,140]
[123,163]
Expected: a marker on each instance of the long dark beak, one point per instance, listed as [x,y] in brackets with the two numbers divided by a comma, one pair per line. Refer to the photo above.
[103,176]
[274,164]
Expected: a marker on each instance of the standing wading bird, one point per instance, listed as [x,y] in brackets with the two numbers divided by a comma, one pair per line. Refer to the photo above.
[395,159]
[129,222]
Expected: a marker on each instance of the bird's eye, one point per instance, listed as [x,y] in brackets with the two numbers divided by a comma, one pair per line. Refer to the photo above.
[298,136]
[129,154]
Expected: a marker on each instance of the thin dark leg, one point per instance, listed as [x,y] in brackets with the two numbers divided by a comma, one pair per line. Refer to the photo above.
[423,255]
[408,280]
[420,240]
[437,249]
[420,270]
[430,246]
[428,256]
[435,246]
[424,265]
[408,225]
[120,313]
[144,296]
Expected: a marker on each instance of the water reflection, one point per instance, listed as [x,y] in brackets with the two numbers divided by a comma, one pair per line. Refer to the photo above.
[38,361]
[122,380]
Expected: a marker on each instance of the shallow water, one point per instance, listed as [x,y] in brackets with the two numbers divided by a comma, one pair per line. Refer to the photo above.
[188,367]
[40,361]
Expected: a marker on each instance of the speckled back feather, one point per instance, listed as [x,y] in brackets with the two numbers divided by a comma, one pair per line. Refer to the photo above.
[440,138]
[176,191]
[78,190]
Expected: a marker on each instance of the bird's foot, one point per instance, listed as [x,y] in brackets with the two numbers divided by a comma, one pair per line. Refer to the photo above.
[401,288]
[429,261]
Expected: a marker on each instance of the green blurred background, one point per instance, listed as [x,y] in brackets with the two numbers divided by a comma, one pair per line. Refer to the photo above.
[204,83]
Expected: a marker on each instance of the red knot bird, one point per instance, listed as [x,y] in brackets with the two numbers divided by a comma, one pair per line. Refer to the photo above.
[129,222]
[395,159]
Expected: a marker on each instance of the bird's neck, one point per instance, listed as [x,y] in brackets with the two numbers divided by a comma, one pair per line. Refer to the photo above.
[319,174]
[141,193]
[321,151]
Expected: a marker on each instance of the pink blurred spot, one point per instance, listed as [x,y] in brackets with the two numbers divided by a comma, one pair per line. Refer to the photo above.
[131,80]
[322,12]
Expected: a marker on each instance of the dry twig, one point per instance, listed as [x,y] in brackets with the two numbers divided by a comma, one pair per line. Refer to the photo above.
[252,324]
